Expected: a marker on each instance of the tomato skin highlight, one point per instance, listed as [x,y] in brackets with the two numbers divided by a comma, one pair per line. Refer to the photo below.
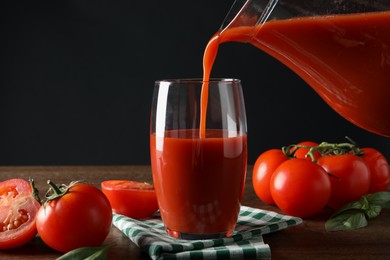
[300,188]
[263,169]
[16,198]
[379,169]
[133,199]
[350,178]
[80,218]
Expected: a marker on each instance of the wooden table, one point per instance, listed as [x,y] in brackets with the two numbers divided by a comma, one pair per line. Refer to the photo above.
[306,241]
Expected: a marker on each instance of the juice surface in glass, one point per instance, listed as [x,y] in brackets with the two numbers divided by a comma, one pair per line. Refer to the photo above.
[199,181]
[344,58]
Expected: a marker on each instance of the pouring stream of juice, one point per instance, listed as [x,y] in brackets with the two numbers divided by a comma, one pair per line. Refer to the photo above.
[344,58]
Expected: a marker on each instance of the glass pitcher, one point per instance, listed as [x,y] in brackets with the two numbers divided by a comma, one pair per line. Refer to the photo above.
[341,48]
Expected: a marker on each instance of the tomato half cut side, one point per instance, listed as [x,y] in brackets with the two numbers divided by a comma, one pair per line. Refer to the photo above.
[18,211]
[131,198]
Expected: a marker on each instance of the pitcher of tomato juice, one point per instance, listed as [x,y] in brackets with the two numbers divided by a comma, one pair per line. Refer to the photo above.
[340,48]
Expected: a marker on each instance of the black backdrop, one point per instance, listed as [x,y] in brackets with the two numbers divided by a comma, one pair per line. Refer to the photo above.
[76,81]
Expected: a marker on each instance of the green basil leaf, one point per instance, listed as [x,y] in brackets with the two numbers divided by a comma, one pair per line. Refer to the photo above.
[356,205]
[90,253]
[347,220]
[365,204]
[378,198]
[373,211]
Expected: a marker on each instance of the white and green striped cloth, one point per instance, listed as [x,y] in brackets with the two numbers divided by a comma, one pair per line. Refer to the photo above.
[246,242]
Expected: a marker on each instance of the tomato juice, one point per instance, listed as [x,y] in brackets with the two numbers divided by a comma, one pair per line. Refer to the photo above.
[344,58]
[199,182]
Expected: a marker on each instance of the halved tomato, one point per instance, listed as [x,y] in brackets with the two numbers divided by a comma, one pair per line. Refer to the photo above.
[18,211]
[130,198]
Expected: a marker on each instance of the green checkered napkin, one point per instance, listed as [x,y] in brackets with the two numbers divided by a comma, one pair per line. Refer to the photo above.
[246,242]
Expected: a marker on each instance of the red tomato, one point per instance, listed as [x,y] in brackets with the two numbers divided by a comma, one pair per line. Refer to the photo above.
[80,218]
[379,169]
[263,169]
[18,210]
[301,152]
[350,178]
[130,198]
[300,187]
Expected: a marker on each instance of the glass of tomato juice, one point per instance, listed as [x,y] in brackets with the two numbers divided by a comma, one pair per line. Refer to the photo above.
[198,147]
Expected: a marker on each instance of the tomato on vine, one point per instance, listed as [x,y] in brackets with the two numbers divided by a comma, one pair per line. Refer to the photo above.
[300,187]
[263,169]
[379,168]
[302,149]
[350,178]
[302,178]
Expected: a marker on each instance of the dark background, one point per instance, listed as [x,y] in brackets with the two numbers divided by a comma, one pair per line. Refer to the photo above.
[76,81]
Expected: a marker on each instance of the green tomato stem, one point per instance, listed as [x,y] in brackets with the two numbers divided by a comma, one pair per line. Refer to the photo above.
[325,148]
[56,192]
[35,192]
[55,188]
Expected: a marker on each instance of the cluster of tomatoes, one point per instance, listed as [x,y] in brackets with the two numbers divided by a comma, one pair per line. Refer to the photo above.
[305,178]
[71,216]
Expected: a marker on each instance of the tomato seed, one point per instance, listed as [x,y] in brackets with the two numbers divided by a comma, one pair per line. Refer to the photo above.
[17,223]
[9,224]
[10,192]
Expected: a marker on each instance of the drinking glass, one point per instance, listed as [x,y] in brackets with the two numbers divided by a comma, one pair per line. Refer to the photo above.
[199,178]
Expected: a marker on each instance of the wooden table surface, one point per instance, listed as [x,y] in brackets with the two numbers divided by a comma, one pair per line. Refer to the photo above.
[308,240]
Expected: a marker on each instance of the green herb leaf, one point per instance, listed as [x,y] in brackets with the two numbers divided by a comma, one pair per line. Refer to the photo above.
[90,253]
[348,220]
[357,205]
[373,211]
[378,198]
[356,214]
[365,204]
